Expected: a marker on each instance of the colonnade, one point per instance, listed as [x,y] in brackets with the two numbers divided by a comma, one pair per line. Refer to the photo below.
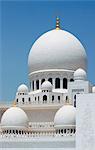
[56,82]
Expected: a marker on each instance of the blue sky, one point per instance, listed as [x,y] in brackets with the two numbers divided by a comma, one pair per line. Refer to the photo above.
[23,22]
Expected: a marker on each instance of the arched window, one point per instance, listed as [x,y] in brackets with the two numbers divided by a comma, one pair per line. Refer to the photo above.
[19,132]
[75,101]
[29,99]
[71,130]
[66,97]
[64,130]
[71,80]
[74,130]
[59,99]
[50,80]
[16,131]
[75,97]
[17,100]
[61,130]
[37,84]
[23,100]
[52,98]
[64,83]
[42,81]
[38,98]
[33,85]
[57,83]
[44,98]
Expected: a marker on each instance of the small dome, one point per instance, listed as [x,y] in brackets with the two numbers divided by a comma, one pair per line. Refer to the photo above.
[47,86]
[80,74]
[65,117]
[22,89]
[14,117]
[93,89]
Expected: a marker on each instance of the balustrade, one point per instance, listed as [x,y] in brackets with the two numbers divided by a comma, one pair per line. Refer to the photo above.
[41,103]
[35,134]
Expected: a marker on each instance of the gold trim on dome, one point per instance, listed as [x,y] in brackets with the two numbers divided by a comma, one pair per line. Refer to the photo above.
[14,104]
[57,23]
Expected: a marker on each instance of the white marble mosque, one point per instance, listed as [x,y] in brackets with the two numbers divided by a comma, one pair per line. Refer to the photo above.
[44,115]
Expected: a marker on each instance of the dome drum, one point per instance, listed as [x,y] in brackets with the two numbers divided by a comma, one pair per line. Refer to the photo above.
[50,75]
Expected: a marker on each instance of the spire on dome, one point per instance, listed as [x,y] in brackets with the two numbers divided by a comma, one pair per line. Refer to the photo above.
[57,23]
[14,104]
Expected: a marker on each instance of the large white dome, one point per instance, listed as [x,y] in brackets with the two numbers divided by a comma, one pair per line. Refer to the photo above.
[14,117]
[57,49]
[65,117]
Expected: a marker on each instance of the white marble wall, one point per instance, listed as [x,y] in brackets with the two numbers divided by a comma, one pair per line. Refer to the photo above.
[41,115]
[65,143]
[85,122]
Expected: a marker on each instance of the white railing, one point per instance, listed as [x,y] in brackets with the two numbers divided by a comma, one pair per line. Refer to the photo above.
[39,103]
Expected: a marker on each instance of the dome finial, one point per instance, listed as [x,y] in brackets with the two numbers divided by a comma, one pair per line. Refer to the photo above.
[57,23]
[14,104]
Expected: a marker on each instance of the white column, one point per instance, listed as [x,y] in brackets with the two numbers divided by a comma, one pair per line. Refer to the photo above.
[61,83]
[39,83]
[53,83]
[31,86]
[34,85]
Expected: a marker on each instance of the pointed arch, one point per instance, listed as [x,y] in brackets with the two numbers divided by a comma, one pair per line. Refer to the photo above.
[33,85]
[44,98]
[37,84]
[50,80]
[42,81]
[71,80]
[57,83]
[64,83]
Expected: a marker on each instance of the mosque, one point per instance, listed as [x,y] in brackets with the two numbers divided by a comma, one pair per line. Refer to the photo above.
[48,113]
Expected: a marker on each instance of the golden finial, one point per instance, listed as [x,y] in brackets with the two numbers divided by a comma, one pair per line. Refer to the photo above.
[14,104]
[57,23]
